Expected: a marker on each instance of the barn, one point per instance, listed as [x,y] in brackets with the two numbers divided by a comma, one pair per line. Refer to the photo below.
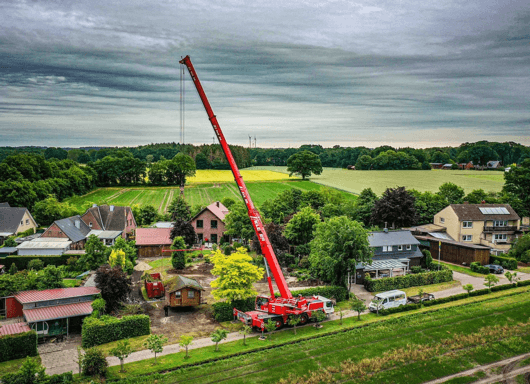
[151,241]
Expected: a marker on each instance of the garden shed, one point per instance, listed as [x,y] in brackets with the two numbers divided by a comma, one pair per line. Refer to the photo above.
[183,292]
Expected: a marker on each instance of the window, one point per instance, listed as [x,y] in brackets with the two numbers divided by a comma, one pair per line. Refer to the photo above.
[199,237]
[400,247]
[27,221]
[214,238]
[191,294]
[200,224]
[467,238]
[391,299]
[178,294]
[387,248]
[442,220]
[409,247]
[21,222]
[467,224]
[500,223]
[213,224]
[500,237]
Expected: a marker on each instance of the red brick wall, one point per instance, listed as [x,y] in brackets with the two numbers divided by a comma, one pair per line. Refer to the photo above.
[13,308]
[53,231]
[131,225]
[207,231]
[88,218]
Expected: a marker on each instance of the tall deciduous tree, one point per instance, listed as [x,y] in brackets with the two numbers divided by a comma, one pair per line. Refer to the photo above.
[179,168]
[395,207]
[517,182]
[299,230]
[235,275]
[96,253]
[278,241]
[451,193]
[237,222]
[304,163]
[114,286]
[339,245]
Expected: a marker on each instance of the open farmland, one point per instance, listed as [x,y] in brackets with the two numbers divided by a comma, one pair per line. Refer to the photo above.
[198,193]
[356,181]
[403,348]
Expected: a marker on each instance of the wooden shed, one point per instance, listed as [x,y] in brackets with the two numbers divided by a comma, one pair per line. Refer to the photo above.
[151,241]
[456,252]
[183,292]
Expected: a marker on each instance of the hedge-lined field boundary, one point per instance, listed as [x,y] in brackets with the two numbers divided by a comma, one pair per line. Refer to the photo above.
[18,346]
[97,331]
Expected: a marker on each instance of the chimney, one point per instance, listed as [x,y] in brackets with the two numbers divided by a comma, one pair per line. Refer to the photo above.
[483,202]
[112,208]
[94,205]
[217,203]
[77,223]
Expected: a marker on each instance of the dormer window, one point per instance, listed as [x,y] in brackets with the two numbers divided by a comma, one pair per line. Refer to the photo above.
[409,247]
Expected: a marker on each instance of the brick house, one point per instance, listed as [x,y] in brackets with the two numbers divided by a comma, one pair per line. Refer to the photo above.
[72,228]
[492,225]
[209,223]
[110,218]
[14,220]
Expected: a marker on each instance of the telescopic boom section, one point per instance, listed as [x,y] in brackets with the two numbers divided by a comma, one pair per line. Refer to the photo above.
[253,213]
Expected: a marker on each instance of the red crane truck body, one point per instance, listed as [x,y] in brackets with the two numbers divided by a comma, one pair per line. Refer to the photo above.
[271,308]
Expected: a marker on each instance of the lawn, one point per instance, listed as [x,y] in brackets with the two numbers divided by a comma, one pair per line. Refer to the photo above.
[356,181]
[403,348]
[461,269]
[195,194]
[69,283]
[13,365]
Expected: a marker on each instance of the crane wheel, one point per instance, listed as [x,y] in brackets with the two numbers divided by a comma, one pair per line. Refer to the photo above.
[279,323]
[304,319]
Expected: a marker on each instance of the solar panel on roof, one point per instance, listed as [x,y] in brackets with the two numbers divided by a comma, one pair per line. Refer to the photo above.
[494,211]
[504,211]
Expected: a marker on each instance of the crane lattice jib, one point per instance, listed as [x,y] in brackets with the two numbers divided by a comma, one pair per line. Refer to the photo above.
[253,213]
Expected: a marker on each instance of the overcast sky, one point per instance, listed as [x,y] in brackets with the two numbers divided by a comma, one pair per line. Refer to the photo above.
[420,73]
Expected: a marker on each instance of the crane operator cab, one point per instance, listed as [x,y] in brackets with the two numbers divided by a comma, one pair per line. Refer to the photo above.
[262,303]
[328,304]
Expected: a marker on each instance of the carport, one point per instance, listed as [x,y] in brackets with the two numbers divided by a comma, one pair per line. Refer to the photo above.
[381,268]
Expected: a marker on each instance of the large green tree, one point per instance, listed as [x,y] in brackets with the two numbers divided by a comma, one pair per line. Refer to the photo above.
[237,222]
[304,163]
[299,230]
[179,168]
[396,207]
[96,253]
[517,182]
[451,193]
[339,245]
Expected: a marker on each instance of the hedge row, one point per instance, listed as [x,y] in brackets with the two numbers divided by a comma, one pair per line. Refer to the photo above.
[460,296]
[412,280]
[224,311]
[504,261]
[107,328]
[18,346]
[479,268]
[61,378]
[22,261]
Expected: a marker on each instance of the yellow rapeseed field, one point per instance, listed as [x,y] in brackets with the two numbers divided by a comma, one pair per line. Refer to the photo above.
[213,176]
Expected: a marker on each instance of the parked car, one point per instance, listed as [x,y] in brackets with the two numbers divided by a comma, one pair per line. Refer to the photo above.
[389,299]
[495,268]
[417,299]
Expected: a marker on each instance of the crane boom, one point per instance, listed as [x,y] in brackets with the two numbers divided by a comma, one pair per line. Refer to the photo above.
[253,213]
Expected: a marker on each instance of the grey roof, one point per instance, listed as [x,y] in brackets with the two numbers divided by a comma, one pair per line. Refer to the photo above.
[10,218]
[20,240]
[4,205]
[382,264]
[46,243]
[163,224]
[472,212]
[69,229]
[440,235]
[8,250]
[380,239]
[104,234]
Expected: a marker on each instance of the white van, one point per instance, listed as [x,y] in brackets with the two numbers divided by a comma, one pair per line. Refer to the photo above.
[389,299]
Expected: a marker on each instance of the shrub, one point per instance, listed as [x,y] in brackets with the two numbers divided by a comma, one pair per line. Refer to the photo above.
[224,311]
[103,330]
[523,283]
[36,264]
[22,261]
[94,363]
[506,262]
[18,346]
[401,308]
[178,260]
[479,268]
[415,269]
[61,378]
[413,280]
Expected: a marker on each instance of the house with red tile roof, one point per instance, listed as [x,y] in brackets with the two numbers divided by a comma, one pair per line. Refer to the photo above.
[151,241]
[209,224]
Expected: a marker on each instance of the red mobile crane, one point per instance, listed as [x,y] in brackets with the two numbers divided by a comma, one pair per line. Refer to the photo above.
[270,308]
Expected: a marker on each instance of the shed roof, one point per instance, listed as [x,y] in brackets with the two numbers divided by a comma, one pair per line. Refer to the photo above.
[378,265]
[8,250]
[104,234]
[13,329]
[178,282]
[58,312]
[380,239]
[25,297]
[10,218]
[472,212]
[457,243]
[4,205]
[153,236]
[46,243]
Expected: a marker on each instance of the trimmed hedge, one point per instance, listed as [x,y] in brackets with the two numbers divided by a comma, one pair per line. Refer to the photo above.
[22,261]
[18,346]
[224,311]
[460,296]
[413,280]
[479,268]
[505,262]
[107,328]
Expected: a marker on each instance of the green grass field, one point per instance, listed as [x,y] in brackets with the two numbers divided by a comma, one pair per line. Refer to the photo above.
[202,193]
[402,348]
[356,181]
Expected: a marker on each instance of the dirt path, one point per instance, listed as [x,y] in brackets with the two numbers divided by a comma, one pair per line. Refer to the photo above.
[121,191]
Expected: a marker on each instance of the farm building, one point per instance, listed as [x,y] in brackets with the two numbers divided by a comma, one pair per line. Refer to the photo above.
[71,228]
[183,292]
[110,218]
[209,223]
[13,329]
[51,312]
[14,220]
[454,251]
[394,253]
[44,246]
[151,241]
[6,251]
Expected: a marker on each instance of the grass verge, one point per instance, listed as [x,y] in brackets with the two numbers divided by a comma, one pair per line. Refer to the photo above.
[13,365]
[461,269]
